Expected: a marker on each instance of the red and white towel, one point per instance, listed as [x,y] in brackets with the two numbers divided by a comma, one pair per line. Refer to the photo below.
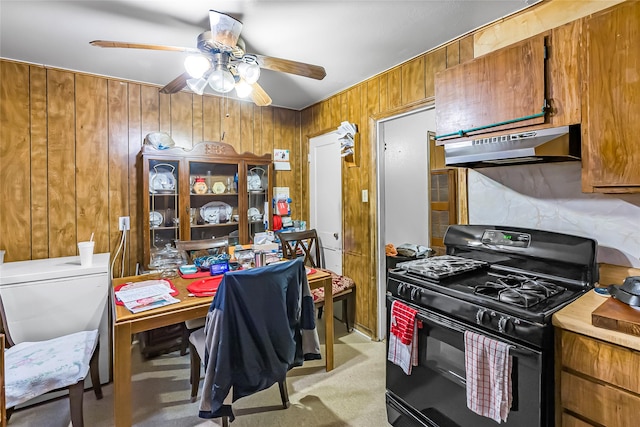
[488,372]
[403,337]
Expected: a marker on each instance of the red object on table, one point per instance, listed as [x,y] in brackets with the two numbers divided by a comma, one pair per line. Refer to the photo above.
[205,287]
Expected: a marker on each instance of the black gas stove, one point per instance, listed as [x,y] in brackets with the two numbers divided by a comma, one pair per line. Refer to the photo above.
[501,282]
[510,280]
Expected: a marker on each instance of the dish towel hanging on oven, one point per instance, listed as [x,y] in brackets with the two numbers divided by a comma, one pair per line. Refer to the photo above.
[488,371]
[403,336]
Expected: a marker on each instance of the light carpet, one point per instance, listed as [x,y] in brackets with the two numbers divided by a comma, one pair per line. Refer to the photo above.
[350,395]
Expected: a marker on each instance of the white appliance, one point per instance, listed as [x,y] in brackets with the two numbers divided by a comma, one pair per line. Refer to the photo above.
[47,298]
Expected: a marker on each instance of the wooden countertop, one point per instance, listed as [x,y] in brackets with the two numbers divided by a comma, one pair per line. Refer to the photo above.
[576,317]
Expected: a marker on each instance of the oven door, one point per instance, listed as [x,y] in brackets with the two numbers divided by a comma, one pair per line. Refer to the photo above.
[435,392]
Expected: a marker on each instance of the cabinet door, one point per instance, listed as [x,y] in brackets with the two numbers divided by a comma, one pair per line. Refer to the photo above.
[611,124]
[443,206]
[258,198]
[161,209]
[501,86]
[213,200]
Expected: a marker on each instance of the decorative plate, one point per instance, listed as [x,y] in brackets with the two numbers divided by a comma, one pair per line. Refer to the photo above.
[218,187]
[161,182]
[155,218]
[216,212]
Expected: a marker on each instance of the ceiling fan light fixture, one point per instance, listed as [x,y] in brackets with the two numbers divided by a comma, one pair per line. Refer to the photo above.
[221,80]
[197,85]
[196,65]
[224,28]
[249,72]
[243,89]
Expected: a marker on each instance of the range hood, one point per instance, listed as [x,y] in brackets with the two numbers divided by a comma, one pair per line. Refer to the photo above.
[558,144]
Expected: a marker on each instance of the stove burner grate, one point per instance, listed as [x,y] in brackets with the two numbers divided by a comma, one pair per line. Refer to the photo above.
[518,290]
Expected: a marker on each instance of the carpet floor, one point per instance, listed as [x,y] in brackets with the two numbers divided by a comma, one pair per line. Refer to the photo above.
[350,395]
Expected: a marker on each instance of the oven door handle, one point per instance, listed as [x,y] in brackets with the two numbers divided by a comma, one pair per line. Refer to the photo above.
[513,350]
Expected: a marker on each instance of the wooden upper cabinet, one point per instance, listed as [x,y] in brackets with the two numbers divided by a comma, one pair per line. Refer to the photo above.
[611,102]
[502,86]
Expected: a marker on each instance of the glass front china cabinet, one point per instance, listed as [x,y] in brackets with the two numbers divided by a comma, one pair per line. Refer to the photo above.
[207,192]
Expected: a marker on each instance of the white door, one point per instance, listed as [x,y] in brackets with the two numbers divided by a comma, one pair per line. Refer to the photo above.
[325,184]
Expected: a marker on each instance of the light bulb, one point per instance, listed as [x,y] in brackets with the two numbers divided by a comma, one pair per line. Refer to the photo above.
[197,85]
[221,81]
[196,65]
[249,72]
[243,89]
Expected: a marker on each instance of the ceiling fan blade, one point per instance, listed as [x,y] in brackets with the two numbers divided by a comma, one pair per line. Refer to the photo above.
[177,84]
[108,43]
[291,67]
[259,96]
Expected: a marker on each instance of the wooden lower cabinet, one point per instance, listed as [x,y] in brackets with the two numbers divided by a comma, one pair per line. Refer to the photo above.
[599,382]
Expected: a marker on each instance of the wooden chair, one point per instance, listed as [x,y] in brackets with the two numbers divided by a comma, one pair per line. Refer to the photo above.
[192,249]
[306,244]
[35,368]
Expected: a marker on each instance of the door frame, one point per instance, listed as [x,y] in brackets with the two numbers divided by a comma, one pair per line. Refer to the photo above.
[381,260]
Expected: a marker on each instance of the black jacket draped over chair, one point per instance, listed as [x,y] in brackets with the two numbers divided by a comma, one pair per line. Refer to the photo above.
[254,333]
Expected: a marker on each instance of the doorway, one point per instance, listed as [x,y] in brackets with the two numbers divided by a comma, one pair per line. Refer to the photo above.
[325,198]
[403,188]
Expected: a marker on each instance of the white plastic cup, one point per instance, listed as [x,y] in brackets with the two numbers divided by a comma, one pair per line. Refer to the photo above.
[86,253]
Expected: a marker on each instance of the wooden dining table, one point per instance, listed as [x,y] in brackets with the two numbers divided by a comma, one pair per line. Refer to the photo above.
[127,323]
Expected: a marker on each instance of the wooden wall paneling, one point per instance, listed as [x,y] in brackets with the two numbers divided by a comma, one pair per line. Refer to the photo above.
[336,106]
[212,117]
[118,110]
[61,163]
[165,113]
[384,91]
[541,18]
[352,219]
[247,124]
[92,162]
[266,130]
[434,61]
[149,109]
[15,168]
[197,125]
[284,137]
[182,119]
[306,124]
[453,54]
[138,97]
[413,80]
[564,74]
[394,88]
[257,130]
[231,122]
[39,182]
[325,116]
[466,48]
[373,96]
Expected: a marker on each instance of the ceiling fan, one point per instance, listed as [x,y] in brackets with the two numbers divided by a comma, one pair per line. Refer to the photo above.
[221,62]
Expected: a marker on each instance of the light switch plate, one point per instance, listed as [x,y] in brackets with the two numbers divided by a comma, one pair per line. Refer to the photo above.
[365,196]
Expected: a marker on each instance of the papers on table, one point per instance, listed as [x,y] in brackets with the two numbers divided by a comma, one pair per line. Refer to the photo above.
[138,299]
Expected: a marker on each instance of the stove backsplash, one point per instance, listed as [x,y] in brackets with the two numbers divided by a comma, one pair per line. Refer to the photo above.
[549,197]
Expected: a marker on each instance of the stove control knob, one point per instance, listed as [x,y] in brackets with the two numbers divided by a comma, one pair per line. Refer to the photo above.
[416,293]
[502,324]
[480,315]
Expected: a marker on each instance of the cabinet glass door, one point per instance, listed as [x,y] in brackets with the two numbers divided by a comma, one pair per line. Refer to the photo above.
[213,200]
[164,222]
[258,198]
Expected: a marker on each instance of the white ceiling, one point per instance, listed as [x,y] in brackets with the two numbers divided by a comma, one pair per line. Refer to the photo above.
[353,39]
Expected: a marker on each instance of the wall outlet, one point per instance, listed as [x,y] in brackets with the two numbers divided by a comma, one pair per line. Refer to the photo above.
[123,223]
